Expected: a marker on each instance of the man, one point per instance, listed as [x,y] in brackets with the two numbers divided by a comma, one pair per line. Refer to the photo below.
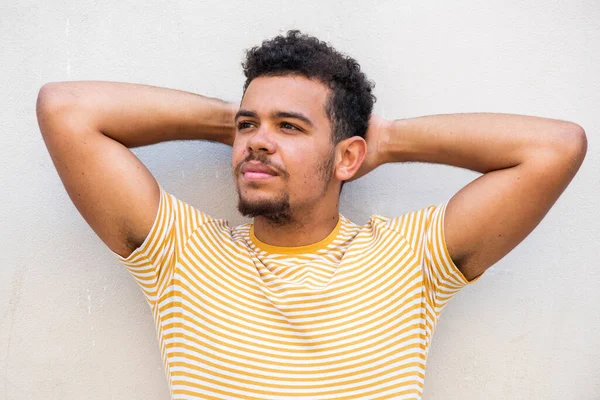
[302,303]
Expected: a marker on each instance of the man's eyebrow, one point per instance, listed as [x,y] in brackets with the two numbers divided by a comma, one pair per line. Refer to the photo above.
[276,114]
[245,113]
[290,114]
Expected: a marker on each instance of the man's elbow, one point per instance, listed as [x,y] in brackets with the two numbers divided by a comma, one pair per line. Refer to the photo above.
[577,141]
[51,102]
[572,146]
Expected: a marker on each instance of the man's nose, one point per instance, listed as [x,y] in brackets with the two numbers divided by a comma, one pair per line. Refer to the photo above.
[261,140]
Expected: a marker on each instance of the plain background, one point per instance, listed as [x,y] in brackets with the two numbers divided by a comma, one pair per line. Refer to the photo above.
[74,325]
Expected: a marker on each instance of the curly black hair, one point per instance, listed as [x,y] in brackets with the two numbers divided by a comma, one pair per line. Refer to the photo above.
[350,102]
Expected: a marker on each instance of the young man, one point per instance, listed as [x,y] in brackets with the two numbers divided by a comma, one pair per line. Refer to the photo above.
[302,303]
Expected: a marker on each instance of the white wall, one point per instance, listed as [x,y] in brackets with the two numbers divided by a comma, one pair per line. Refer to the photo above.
[74,325]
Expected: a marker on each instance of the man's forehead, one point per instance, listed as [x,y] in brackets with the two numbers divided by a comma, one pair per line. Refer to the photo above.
[298,94]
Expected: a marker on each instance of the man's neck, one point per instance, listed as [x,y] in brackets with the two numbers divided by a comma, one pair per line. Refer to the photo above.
[307,229]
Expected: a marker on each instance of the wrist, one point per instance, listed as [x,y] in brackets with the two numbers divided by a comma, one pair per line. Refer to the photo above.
[395,147]
[384,142]
[227,123]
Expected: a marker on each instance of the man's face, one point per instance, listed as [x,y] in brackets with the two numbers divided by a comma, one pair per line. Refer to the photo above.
[282,155]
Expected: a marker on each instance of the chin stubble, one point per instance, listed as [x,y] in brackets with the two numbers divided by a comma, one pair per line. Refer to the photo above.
[278,211]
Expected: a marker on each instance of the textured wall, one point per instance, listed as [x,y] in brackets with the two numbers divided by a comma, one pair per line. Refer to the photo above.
[74,325]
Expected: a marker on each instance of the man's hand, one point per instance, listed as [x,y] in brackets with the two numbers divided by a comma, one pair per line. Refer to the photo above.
[375,138]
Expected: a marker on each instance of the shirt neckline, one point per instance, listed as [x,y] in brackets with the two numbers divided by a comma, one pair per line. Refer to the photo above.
[309,248]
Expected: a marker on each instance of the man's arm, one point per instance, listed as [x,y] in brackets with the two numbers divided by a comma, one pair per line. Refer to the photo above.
[527,163]
[88,127]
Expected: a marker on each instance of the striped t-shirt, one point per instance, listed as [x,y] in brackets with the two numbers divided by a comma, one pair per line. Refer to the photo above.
[349,317]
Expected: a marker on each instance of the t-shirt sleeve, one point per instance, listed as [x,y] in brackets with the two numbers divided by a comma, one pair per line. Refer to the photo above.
[152,264]
[424,230]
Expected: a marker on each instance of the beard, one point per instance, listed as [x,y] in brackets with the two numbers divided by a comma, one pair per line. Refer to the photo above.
[279,211]
[276,211]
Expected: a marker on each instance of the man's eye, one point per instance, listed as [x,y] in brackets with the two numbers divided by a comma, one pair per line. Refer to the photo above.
[287,125]
[244,124]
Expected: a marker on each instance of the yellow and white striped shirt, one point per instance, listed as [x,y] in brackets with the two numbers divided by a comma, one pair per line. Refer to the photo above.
[350,317]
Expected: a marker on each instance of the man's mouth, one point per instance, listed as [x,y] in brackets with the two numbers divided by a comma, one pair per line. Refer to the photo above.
[255,170]
[257,176]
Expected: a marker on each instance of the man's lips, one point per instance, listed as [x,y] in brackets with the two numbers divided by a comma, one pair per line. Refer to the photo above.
[257,171]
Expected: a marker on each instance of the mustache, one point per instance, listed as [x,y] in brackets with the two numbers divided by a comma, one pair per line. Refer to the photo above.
[260,157]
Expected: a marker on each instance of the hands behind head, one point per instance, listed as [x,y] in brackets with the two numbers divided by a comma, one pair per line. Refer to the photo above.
[231,108]
[376,138]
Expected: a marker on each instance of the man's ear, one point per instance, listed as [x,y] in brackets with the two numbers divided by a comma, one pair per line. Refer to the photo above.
[350,154]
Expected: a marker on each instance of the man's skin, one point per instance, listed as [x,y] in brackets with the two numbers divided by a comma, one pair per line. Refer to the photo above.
[527,162]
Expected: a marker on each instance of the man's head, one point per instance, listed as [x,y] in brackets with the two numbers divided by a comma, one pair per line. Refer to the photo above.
[302,122]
